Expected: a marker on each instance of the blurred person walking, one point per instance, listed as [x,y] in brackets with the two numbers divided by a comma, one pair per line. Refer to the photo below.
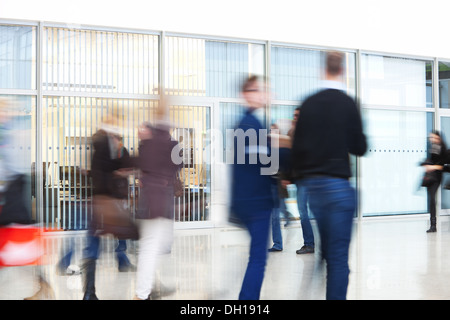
[120,191]
[107,159]
[433,166]
[155,212]
[328,129]
[302,204]
[251,193]
[279,192]
[20,242]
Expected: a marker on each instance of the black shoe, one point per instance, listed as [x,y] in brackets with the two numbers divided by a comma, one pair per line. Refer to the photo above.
[274,250]
[432,229]
[305,249]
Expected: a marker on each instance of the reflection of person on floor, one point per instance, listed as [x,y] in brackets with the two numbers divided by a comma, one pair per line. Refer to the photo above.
[15,179]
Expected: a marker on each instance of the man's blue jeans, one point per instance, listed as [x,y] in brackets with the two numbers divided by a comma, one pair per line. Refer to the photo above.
[333,202]
[276,227]
[302,203]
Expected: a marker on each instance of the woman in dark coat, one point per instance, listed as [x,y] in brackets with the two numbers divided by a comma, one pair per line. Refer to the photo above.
[434,166]
[155,211]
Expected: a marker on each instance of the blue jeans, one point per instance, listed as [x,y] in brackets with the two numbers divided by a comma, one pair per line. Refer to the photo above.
[276,227]
[302,203]
[333,202]
[92,249]
[121,255]
[254,275]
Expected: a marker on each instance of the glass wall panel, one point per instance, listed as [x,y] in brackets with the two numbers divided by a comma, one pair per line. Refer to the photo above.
[18,147]
[191,128]
[100,61]
[297,73]
[17,57]
[444,80]
[199,67]
[445,184]
[227,64]
[390,173]
[230,115]
[396,82]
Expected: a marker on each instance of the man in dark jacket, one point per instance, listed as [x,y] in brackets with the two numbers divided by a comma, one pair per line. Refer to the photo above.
[251,200]
[328,129]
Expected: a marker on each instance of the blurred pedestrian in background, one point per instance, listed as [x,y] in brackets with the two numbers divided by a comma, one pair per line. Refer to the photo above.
[21,242]
[278,190]
[155,207]
[433,165]
[251,193]
[328,129]
[302,203]
[119,189]
[109,216]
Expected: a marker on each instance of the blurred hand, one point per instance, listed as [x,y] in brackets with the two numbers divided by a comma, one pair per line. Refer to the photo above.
[123,172]
[285,183]
[430,168]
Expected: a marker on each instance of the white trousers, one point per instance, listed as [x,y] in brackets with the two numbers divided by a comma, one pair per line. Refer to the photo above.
[155,238]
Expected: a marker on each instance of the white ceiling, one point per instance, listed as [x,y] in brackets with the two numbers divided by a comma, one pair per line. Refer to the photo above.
[394,26]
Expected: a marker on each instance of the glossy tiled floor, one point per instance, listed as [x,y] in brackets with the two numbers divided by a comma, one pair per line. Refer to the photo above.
[391,258]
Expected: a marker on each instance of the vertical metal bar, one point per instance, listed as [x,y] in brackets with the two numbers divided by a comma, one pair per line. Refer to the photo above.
[117,66]
[200,161]
[133,64]
[64,152]
[191,146]
[58,143]
[358,75]
[50,164]
[123,62]
[69,172]
[68,136]
[267,71]
[38,124]
[90,62]
[80,180]
[142,65]
[129,63]
[194,160]
[436,108]
[45,165]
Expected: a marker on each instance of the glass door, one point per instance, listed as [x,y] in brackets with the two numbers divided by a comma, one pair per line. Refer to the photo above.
[445,185]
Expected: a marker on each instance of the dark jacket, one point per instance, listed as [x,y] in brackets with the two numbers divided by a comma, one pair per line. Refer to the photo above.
[158,175]
[328,129]
[103,166]
[250,191]
[441,158]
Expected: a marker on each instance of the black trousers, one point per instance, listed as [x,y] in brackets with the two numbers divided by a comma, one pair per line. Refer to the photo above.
[431,190]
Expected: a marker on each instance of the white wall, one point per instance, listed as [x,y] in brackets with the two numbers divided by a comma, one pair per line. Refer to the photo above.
[399,26]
